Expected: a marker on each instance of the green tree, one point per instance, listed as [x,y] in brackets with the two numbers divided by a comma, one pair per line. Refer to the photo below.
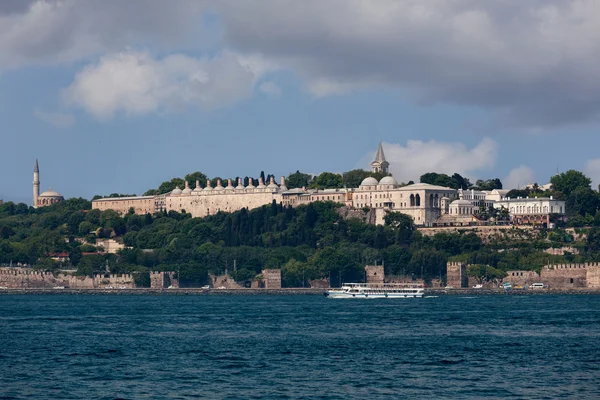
[196,176]
[168,186]
[327,180]
[298,180]
[567,182]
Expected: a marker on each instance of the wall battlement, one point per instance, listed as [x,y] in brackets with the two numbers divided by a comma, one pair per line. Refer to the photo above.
[26,278]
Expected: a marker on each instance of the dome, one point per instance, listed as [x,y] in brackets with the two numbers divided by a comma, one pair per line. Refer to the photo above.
[273,185]
[250,185]
[370,181]
[187,190]
[176,191]
[388,180]
[50,193]
[461,203]
[197,189]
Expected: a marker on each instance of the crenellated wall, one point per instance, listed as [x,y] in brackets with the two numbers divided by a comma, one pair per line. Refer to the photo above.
[522,277]
[456,275]
[28,278]
[565,275]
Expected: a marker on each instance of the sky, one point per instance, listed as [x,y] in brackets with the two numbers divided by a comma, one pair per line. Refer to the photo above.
[118,96]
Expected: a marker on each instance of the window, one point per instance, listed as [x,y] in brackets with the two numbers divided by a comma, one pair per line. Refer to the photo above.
[418,200]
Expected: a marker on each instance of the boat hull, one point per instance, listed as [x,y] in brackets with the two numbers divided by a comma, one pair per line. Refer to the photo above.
[343,295]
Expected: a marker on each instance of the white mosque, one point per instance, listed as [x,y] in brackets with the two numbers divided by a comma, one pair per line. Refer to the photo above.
[48,197]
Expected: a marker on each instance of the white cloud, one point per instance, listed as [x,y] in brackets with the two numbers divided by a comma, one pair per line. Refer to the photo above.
[518,177]
[592,169]
[270,89]
[56,119]
[137,83]
[418,157]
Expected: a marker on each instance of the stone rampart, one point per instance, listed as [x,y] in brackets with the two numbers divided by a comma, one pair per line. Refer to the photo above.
[271,279]
[223,281]
[593,276]
[456,275]
[375,273]
[522,277]
[28,278]
[565,275]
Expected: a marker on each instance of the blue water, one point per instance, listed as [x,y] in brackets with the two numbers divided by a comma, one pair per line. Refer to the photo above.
[300,347]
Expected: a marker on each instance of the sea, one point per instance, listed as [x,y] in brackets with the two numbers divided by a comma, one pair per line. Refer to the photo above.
[299,347]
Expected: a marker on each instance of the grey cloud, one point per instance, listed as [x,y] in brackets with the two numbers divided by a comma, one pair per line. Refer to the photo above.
[51,31]
[535,62]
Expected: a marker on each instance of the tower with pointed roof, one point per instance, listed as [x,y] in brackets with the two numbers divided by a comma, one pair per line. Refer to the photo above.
[380,164]
[36,183]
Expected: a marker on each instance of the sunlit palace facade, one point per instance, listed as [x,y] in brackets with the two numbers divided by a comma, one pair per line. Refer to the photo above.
[428,204]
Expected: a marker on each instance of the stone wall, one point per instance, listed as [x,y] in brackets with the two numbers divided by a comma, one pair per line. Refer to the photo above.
[203,205]
[271,279]
[375,273]
[319,283]
[593,276]
[223,281]
[456,275]
[162,280]
[565,275]
[485,233]
[29,278]
[522,277]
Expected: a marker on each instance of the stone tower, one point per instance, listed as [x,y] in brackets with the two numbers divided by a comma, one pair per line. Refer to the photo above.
[36,183]
[380,164]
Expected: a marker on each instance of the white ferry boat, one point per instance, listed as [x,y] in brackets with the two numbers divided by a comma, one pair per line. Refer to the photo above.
[376,291]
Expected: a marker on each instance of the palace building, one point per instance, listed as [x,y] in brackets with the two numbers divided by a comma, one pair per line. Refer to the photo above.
[429,205]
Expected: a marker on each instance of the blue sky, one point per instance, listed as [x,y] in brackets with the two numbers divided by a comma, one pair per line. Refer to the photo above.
[121,96]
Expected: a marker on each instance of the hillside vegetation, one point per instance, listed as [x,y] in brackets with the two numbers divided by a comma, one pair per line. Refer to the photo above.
[307,242]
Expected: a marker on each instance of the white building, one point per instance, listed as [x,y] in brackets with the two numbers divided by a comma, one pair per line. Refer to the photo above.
[531,210]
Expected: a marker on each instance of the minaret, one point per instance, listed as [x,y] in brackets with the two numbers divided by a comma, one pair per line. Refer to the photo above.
[36,183]
[380,164]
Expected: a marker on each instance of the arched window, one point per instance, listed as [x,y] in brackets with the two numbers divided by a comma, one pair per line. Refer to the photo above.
[431,200]
[412,200]
[418,200]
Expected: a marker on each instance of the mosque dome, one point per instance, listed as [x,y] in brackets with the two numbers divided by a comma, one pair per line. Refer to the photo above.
[273,185]
[250,185]
[51,193]
[369,181]
[176,191]
[197,189]
[187,190]
[388,180]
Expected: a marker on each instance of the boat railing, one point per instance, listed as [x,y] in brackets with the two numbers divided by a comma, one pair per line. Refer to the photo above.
[383,285]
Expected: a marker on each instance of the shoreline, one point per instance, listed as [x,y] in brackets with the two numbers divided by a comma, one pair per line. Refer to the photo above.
[284,291]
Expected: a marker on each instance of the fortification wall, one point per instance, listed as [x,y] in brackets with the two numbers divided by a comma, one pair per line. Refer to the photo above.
[203,205]
[271,279]
[565,275]
[456,275]
[522,277]
[485,233]
[225,281]
[375,273]
[593,276]
[27,278]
